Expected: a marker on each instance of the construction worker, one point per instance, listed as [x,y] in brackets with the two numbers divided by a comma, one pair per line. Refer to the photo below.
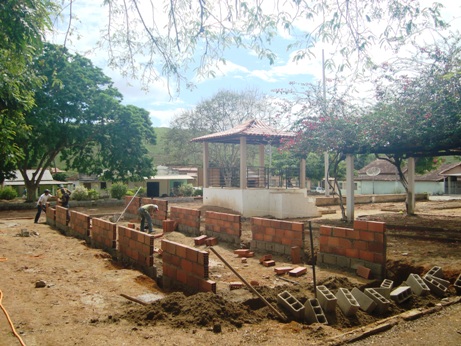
[146,212]
[41,203]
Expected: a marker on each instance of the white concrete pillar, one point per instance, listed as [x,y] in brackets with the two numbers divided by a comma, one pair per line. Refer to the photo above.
[243,162]
[206,164]
[350,187]
[302,174]
[411,185]
[261,155]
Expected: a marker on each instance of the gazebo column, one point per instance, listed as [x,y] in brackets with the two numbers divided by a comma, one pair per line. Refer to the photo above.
[206,164]
[243,162]
[350,187]
[261,173]
[302,173]
[411,186]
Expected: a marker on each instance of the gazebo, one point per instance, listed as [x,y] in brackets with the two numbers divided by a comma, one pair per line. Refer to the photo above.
[248,190]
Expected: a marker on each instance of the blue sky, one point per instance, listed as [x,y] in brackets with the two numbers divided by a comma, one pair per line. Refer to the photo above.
[243,70]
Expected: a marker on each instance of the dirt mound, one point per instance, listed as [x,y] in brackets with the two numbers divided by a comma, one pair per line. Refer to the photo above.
[201,309]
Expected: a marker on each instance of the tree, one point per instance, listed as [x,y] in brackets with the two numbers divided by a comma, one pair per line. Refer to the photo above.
[78,113]
[168,38]
[223,111]
[22,27]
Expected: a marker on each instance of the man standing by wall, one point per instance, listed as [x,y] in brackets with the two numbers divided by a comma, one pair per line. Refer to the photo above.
[146,212]
[41,203]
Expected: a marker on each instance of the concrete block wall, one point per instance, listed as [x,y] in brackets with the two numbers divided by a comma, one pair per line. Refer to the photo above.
[136,248]
[276,236]
[186,268]
[104,235]
[79,225]
[225,227]
[61,218]
[187,220]
[364,245]
[50,215]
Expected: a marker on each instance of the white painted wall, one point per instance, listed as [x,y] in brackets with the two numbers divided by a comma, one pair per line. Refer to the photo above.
[281,204]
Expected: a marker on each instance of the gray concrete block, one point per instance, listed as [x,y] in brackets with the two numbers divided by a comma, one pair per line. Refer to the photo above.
[291,305]
[387,284]
[313,312]
[326,299]
[436,271]
[401,294]
[384,291]
[417,285]
[457,285]
[329,259]
[366,304]
[382,304]
[343,262]
[441,281]
[435,287]
[346,302]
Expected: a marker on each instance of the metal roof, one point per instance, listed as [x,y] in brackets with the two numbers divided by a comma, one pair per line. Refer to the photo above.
[255,131]
[171,177]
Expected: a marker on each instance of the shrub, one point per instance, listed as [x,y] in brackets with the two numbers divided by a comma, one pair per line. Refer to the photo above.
[118,190]
[186,190]
[93,194]
[198,192]
[80,193]
[8,193]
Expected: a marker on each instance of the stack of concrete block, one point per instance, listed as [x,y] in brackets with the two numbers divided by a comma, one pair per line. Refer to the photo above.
[382,304]
[292,305]
[417,285]
[326,299]
[366,303]
[346,302]
[457,285]
[401,294]
[313,312]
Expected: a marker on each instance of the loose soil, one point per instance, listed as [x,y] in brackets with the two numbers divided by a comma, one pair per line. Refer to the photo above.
[59,291]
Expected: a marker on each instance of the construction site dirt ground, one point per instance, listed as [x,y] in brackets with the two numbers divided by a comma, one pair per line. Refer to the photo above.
[59,291]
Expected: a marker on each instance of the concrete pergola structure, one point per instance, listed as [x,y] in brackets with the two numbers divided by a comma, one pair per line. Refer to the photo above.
[280,203]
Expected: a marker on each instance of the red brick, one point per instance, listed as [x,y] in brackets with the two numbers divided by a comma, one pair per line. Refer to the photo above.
[265,258]
[366,255]
[295,255]
[360,245]
[339,232]
[235,285]
[200,240]
[368,236]
[211,241]
[354,253]
[360,225]
[376,247]
[298,271]
[282,270]
[364,272]
[241,252]
[376,226]
[269,263]
[325,230]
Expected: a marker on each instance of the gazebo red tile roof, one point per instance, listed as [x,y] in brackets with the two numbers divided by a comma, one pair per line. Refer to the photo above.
[255,131]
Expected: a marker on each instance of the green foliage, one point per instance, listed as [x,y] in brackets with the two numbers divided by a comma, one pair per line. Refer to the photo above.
[80,193]
[93,194]
[78,114]
[118,190]
[60,176]
[186,190]
[198,192]
[8,193]
[22,27]
[132,192]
